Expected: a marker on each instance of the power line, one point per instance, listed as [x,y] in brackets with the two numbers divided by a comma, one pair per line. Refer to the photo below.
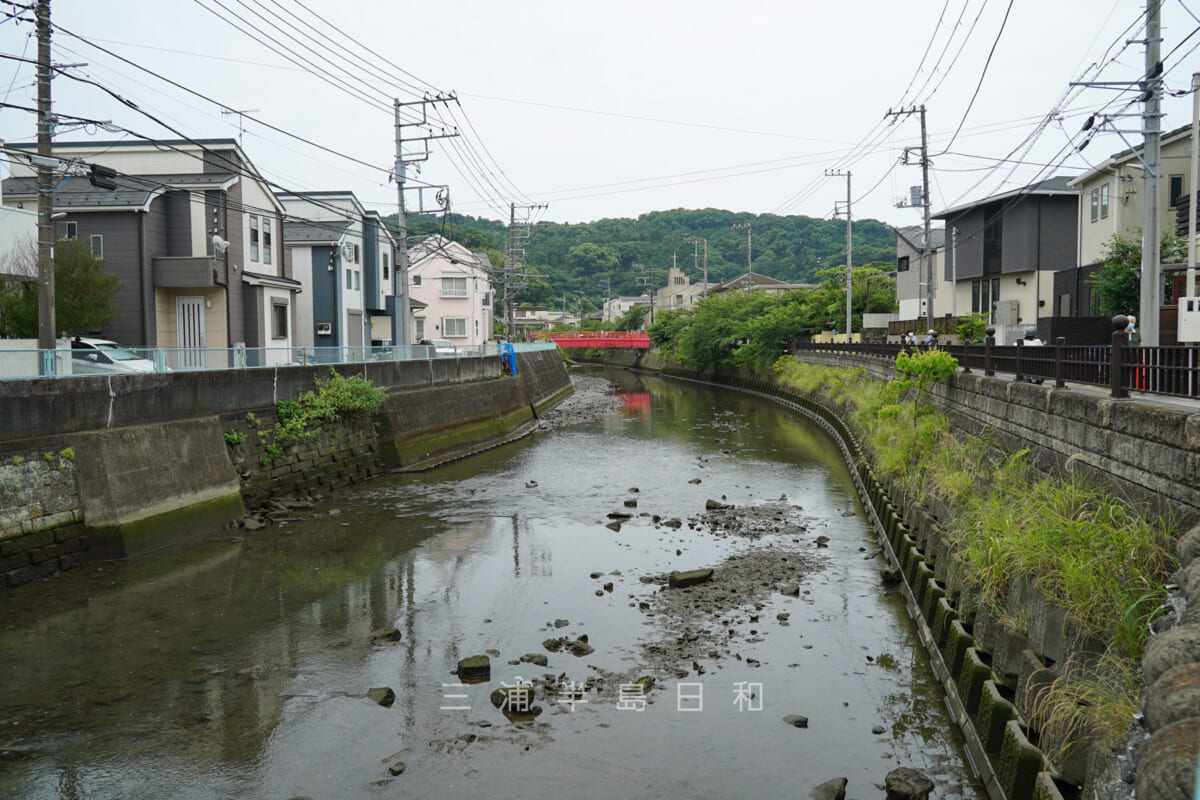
[982,75]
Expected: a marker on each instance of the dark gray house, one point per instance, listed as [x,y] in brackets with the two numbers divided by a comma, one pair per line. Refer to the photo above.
[1003,253]
[193,233]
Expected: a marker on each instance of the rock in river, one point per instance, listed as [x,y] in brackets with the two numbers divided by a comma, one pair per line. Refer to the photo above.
[681,580]
[830,790]
[538,659]
[907,784]
[796,720]
[475,668]
[384,636]
[382,695]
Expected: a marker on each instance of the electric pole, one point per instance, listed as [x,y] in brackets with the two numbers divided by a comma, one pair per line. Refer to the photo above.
[1194,186]
[749,249]
[400,175]
[1150,297]
[519,230]
[926,259]
[849,260]
[45,184]
[647,281]
[607,300]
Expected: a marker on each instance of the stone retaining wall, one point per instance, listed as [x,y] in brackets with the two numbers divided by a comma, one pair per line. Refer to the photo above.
[125,490]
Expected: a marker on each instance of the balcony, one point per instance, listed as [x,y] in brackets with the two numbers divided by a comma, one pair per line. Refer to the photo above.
[184,272]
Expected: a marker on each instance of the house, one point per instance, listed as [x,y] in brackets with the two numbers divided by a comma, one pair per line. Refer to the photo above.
[18,240]
[1111,201]
[1006,253]
[191,230]
[754,281]
[617,307]
[911,276]
[680,292]
[344,257]
[455,285]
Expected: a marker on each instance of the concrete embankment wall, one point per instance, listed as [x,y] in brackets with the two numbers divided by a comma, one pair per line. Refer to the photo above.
[993,674]
[112,468]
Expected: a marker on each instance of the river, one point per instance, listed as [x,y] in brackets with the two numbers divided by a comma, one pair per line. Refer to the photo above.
[236,665]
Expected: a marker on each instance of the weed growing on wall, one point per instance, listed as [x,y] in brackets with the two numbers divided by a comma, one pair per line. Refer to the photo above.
[335,398]
[1098,555]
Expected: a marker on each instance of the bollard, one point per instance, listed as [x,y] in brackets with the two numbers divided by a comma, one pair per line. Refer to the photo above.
[988,344]
[1060,348]
[1116,366]
[1020,366]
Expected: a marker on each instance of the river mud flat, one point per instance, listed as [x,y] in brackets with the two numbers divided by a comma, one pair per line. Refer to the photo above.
[665,591]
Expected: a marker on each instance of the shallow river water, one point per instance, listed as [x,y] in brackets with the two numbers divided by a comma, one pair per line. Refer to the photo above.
[237,665]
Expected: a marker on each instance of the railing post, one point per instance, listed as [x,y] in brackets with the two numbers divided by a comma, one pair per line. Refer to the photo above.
[966,368]
[1020,376]
[1116,367]
[1060,350]
[988,343]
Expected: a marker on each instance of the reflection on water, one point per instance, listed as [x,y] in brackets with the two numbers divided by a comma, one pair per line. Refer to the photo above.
[227,668]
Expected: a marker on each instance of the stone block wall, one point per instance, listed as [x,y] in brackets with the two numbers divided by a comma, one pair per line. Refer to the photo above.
[40,519]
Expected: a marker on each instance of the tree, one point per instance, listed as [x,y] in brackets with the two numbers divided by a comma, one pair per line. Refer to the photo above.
[632,319]
[83,291]
[1119,278]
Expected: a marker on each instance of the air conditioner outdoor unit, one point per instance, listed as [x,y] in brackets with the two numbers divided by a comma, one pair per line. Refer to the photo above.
[1008,313]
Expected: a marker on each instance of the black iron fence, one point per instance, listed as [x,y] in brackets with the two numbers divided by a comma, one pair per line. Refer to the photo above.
[1171,371]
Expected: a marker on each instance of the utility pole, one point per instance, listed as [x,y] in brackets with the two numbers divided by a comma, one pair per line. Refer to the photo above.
[400,175]
[45,184]
[519,231]
[648,281]
[926,259]
[749,249]
[954,271]
[1193,187]
[849,260]
[607,300]
[1150,297]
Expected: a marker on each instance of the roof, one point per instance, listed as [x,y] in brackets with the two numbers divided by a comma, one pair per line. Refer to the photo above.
[1058,185]
[259,279]
[1129,154]
[133,191]
[915,236]
[310,233]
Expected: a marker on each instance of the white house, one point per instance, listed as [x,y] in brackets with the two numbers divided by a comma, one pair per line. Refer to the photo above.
[455,285]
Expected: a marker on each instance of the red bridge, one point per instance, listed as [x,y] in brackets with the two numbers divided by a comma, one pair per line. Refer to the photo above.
[631,339]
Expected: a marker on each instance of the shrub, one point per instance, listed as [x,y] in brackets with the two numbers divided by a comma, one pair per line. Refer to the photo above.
[234,437]
[334,398]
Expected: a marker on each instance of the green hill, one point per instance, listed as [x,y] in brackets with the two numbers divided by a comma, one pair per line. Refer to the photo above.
[583,257]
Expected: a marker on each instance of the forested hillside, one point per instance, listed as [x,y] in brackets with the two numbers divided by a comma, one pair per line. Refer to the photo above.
[582,258]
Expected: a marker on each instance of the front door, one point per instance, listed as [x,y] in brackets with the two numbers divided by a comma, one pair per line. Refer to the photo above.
[189,326]
[354,329]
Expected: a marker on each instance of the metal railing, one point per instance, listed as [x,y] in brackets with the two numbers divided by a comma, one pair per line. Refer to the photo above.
[1172,371]
[67,363]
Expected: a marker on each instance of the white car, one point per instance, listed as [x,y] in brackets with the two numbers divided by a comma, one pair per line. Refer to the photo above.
[444,348]
[91,356]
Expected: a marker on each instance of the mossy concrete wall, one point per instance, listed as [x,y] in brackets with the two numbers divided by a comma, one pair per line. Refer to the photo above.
[99,485]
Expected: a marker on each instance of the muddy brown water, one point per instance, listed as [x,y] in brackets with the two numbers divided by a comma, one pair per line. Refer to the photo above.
[238,669]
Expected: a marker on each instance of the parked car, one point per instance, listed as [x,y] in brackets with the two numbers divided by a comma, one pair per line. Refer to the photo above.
[91,356]
[443,348]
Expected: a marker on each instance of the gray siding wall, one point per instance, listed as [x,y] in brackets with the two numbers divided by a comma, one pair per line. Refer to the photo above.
[252,322]
[1019,238]
[370,265]
[325,296]
[178,225]
[1060,232]
[970,244]
[122,258]
[233,266]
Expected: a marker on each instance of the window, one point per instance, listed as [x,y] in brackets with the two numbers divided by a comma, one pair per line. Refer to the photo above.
[454,326]
[1104,201]
[416,280]
[385,266]
[995,293]
[254,237]
[974,297]
[902,264]
[985,300]
[477,327]
[1095,204]
[279,319]
[454,286]
[66,230]
[355,254]
[349,278]
[266,241]
[420,328]
[487,299]
[356,273]
[97,244]
[1176,191]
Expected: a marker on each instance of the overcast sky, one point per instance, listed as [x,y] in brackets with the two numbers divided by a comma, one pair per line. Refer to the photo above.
[607,109]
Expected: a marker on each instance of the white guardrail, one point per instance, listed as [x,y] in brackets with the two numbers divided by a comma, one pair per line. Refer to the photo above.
[66,362]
